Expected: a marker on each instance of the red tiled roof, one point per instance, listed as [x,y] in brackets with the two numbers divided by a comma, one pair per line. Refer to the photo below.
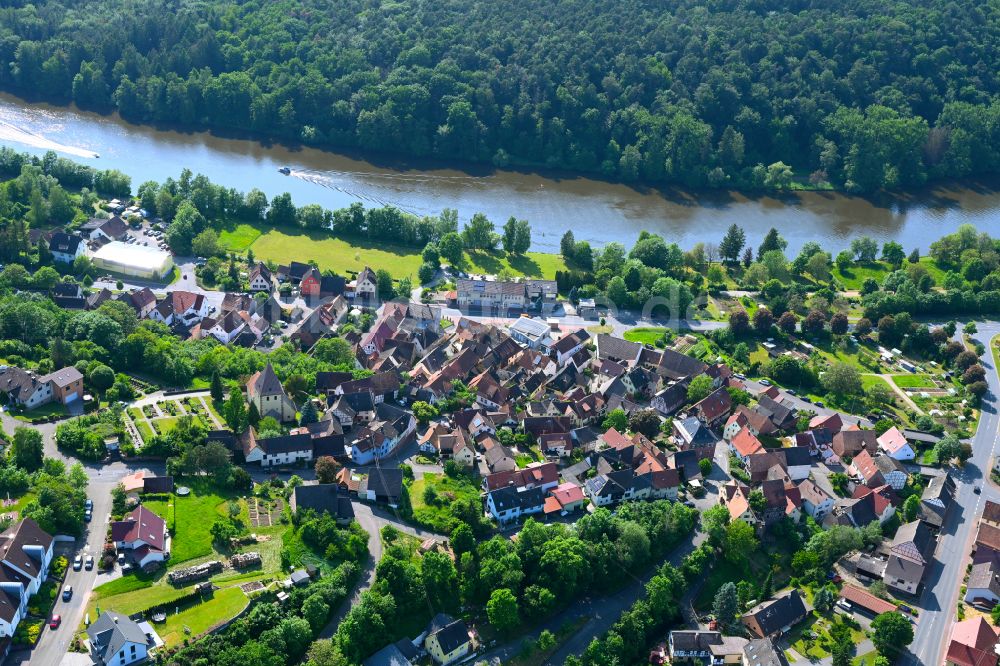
[866,599]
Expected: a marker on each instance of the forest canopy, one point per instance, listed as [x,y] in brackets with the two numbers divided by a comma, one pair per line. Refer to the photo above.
[861,94]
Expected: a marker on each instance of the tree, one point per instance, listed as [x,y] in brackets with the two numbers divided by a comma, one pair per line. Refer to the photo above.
[947,449]
[891,632]
[645,421]
[234,411]
[383,279]
[424,411]
[741,542]
[818,266]
[763,320]
[27,449]
[714,522]
[617,419]
[326,469]
[705,466]
[206,243]
[726,604]
[732,244]
[309,414]
[843,379]
[814,323]
[772,241]
[119,500]
[567,244]
[478,233]
[502,611]
[699,388]
[739,322]
[787,322]
[863,327]
[864,248]
[450,248]
[911,508]
[838,324]
[217,392]
[516,237]
[766,589]
[824,600]
[101,377]
[893,253]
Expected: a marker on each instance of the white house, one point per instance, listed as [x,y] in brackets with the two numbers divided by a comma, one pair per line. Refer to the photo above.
[143,534]
[564,348]
[509,504]
[261,278]
[284,450]
[816,501]
[65,248]
[228,328]
[534,333]
[894,444]
[25,556]
[116,640]
[983,588]
[366,285]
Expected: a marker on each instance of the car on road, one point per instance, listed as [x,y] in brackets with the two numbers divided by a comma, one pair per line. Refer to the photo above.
[904,608]
[819,403]
[67,593]
[764,382]
[977,490]
[89,504]
[55,621]
[790,391]
[88,515]
[77,563]
[739,375]
[88,564]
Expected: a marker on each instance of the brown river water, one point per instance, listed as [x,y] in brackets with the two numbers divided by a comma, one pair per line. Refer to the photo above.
[596,210]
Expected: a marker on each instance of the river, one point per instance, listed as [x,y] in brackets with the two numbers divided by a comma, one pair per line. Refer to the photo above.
[595,210]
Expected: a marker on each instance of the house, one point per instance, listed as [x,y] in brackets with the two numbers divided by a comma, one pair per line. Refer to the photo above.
[391,427]
[531,332]
[564,348]
[536,475]
[293,272]
[383,485]
[28,390]
[617,486]
[744,445]
[673,365]
[111,229]
[323,497]
[65,248]
[878,470]
[509,503]
[142,301]
[610,348]
[449,643]
[893,443]
[490,294]
[699,647]
[816,501]
[937,499]
[116,640]
[983,586]
[972,643]
[865,600]
[776,616]
[692,435]
[281,450]
[261,278]
[265,392]
[558,444]
[909,556]
[849,443]
[567,497]
[226,328]
[401,653]
[670,398]
[763,652]
[831,423]
[714,408]
[68,296]
[366,285]
[25,556]
[892,471]
[143,534]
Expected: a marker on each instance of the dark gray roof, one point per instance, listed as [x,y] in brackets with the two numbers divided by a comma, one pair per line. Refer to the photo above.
[324,497]
[111,632]
[617,349]
[452,636]
[781,612]
[763,652]
[266,382]
[509,497]
[385,482]
[286,444]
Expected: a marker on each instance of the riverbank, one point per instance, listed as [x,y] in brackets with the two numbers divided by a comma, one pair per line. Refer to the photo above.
[283,245]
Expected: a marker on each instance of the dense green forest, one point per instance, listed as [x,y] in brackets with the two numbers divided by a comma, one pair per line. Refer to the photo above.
[862,94]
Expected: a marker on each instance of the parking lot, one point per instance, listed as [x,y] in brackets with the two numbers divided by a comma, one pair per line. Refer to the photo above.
[148,235]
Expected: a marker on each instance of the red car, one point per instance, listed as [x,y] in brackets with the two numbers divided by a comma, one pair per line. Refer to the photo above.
[55,622]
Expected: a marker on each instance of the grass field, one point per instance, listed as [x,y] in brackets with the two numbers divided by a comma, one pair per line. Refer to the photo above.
[438,516]
[868,381]
[646,336]
[913,381]
[854,277]
[199,618]
[192,522]
[285,245]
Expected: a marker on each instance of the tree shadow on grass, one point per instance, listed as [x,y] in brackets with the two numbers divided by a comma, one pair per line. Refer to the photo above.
[526,265]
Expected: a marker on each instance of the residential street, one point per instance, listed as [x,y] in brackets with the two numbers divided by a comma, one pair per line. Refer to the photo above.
[941,586]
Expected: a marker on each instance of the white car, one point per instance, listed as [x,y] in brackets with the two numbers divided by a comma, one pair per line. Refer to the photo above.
[77,563]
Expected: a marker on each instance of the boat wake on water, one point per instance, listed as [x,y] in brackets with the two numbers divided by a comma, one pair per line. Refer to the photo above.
[336,180]
[15,134]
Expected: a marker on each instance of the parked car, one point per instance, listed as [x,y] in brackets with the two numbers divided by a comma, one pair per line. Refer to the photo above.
[904,608]
[88,515]
[121,559]
[819,403]
[55,621]
[89,562]
[977,490]
[67,593]
[77,563]
[765,382]
[89,504]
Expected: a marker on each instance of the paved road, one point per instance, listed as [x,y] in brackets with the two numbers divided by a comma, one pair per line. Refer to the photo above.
[941,586]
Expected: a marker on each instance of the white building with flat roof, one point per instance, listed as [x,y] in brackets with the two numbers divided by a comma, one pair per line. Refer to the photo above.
[135,260]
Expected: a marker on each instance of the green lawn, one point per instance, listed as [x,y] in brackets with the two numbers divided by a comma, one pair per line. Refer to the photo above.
[199,618]
[438,516]
[192,522]
[868,381]
[51,409]
[854,277]
[285,245]
[913,381]
[144,430]
[647,336]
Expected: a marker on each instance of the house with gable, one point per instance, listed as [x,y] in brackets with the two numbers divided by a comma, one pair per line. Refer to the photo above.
[894,444]
[25,555]
[265,392]
[142,535]
[715,407]
[117,640]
